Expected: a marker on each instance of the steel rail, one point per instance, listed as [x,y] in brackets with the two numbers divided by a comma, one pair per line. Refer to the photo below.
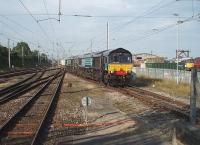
[156,101]
[183,111]
[149,93]
[15,86]
[25,88]
[8,98]
[15,71]
[10,122]
[20,87]
[8,75]
[36,139]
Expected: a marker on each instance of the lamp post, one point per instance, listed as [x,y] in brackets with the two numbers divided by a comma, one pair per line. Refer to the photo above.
[178,46]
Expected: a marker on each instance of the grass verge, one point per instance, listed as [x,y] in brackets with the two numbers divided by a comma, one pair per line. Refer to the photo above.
[167,86]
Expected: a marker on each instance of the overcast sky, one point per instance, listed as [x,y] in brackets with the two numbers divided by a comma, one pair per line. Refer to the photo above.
[137,25]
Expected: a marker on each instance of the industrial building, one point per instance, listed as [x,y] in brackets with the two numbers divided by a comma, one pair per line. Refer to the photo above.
[142,58]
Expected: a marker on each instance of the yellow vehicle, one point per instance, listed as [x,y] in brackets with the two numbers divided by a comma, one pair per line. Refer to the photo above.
[189,64]
[126,68]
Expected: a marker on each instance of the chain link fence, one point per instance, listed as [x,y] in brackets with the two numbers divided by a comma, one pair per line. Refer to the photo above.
[167,74]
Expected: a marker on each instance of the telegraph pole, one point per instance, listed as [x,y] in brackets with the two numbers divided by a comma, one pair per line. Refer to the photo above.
[59,13]
[57,53]
[22,56]
[52,59]
[177,55]
[38,54]
[91,45]
[9,62]
[177,72]
[178,47]
[38,57]
[107,35]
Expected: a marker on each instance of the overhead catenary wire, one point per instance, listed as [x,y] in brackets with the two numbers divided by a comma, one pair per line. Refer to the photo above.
[78,15]
[49,18]
[149,34]
[18,24]
[87,16]
[146,13]
[15,31]
[5,24]
[47,13]
[51,24]
[29,12]
[149,11]
[16,39]
[97,16]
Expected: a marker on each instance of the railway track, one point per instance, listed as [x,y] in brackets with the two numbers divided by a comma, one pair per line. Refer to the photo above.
[19,88]
[22,87]
[20,98]
[153,99]
[6,111]
[23,72]
[16,86]
[17,73]
[25,126]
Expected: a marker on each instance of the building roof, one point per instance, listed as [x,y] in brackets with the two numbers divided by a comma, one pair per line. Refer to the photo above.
[148,54]
[99,53]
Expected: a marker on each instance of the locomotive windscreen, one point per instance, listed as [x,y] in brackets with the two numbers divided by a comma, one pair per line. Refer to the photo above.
[120,58]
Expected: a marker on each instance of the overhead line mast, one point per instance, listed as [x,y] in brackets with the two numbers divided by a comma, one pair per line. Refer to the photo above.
[50,18]
[107,35]
[59,13]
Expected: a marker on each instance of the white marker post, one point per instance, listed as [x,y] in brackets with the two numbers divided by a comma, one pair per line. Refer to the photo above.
[86,101]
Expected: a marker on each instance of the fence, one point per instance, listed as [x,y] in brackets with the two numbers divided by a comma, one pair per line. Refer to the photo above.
[195,96]
[167,74]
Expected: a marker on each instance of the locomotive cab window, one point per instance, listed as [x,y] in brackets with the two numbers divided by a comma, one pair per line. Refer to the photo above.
[120,58]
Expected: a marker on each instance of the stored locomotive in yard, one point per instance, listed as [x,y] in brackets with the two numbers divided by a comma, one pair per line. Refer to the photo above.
[193,63]
[189,64]
[113,67]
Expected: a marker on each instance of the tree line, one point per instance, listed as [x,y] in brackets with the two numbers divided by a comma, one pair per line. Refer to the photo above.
[22,57]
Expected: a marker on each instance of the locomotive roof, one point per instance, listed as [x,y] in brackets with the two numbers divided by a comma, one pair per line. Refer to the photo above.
[99,53]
